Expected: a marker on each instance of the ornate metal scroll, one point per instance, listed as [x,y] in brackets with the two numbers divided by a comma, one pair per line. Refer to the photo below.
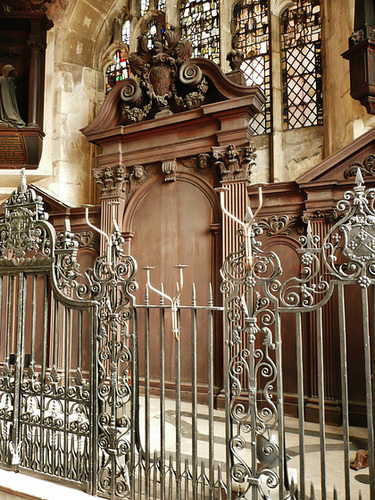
[62,415]
[254,297]
[115,284]
[251,371]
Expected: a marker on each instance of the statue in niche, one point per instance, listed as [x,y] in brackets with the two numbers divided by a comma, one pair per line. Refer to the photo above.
[9,112]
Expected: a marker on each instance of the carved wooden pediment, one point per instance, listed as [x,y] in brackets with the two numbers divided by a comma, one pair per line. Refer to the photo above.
[166,82]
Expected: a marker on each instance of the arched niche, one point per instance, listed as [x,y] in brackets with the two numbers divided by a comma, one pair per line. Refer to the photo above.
[177,223]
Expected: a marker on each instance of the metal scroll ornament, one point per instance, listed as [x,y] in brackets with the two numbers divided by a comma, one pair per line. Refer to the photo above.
[251,370]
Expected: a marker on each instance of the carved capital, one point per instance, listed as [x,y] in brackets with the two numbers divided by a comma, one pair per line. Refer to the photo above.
[113,180]
[169,168]
[36,46]
[235,163]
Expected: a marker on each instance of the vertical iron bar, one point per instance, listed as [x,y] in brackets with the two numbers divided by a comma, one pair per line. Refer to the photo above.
[20,344]
[252,395]
[94,466]
[9,318]
[43,371]
[66,381]
[211,392]
[194,398]
[177,343]
[369,396]
[301,409]
[321,402]
[134,403]
[162,397]
[80,345]
[228,417]
[280,403]
[56,336]
[147,396]
[344,386]
[33,321]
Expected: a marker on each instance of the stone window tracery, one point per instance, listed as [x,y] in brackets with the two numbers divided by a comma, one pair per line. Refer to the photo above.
[199,21]
[251,36]
[301,64]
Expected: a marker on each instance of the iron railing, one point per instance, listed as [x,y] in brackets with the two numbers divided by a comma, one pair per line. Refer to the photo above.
[122,397]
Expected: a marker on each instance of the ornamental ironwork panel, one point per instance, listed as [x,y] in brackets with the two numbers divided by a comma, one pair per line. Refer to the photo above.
[256,301]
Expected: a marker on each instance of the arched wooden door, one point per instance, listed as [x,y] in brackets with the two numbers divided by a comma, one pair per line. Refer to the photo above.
[178,223]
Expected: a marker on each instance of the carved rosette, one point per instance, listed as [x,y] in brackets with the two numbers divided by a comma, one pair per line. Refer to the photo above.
[167,81]
[235,163]
[113,180]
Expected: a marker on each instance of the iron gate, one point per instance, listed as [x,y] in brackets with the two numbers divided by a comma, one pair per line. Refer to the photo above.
[76,394]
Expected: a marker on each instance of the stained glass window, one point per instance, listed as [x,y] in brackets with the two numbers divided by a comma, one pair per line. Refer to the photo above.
[301,64]
[117,71]
[199,21]
[251,34]
[144,6]
[126,32]
[161,5]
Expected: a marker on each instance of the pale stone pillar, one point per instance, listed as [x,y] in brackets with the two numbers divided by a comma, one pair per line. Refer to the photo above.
[277,173]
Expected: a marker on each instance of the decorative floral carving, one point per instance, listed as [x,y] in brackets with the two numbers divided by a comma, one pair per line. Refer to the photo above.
[114,180]
[282,224]
[169,82]
[235,163]
[366,168]
[169,168]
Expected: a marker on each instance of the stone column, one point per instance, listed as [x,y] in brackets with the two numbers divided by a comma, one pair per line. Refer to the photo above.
[276,143]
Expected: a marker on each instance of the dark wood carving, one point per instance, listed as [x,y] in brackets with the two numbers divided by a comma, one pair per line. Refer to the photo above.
[361,55]
[23,27]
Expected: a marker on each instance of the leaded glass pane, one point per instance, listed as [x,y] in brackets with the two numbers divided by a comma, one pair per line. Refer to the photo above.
[144,6]
[126,31]
[301,64]
[251,37]
[161,5]
[117,71]
[199,21]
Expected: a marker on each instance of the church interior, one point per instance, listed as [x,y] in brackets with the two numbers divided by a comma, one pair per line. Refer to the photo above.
[140,110]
